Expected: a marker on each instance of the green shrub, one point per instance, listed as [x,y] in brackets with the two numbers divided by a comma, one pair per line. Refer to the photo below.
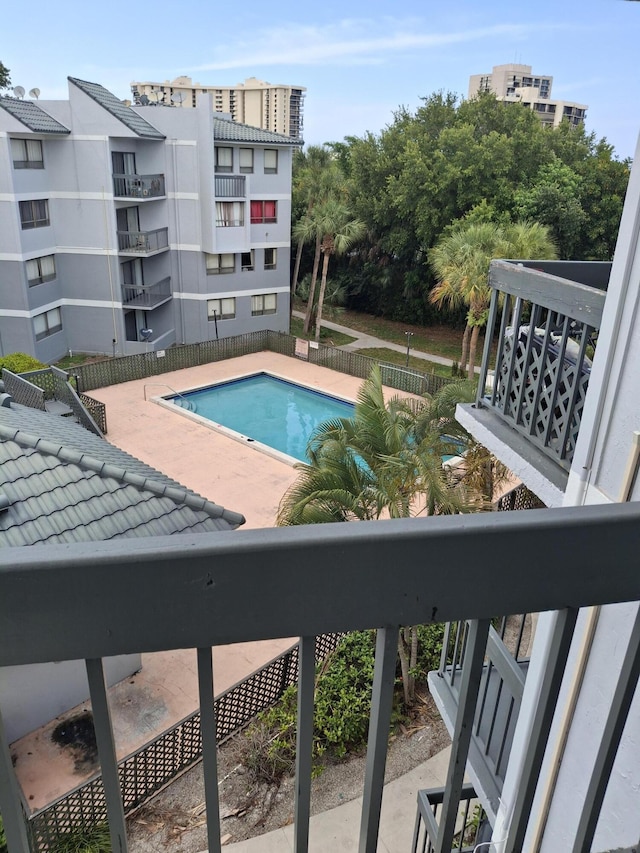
[430,639]
[20,362]
[94,839]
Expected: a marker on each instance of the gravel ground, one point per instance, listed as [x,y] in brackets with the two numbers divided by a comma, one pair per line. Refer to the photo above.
[174,821]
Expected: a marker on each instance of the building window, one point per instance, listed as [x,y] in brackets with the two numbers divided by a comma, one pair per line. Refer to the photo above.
[40,270]
[263,212]
[220,264]
[247,261]
[34,214]
[270,161]
[229,213]
[221,309]
[266,303]
[270,256]
[27,154]
[224,159]
[246,160]
[47,324]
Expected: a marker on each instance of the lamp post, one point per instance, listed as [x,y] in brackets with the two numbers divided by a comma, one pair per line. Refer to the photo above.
[409,336]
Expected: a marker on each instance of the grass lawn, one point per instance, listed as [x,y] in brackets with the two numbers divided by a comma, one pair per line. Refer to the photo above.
[394,357]
[327,336]
[76,359]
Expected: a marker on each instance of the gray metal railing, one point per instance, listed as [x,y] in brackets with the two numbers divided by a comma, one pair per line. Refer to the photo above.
[143,242]
[547,332]
[471,828]
[146,296]
[138,186]
[232,186]
[23,391]
[158,594]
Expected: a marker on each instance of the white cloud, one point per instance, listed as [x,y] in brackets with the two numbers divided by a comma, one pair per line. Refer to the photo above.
[348,42]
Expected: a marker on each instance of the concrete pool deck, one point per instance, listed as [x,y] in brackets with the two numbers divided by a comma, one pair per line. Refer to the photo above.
[224,470]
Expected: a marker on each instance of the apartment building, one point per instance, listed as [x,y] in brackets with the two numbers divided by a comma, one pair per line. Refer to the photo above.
[276,107]
[515,83]
[124,230]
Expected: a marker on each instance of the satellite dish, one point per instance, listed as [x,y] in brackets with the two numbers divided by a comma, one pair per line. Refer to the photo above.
[177,97]
[144,100]
[160,97]
[34,93]
[145,334]
[19,91]
[153,97]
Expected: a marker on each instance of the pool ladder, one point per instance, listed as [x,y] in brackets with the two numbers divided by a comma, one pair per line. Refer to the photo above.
[182,401]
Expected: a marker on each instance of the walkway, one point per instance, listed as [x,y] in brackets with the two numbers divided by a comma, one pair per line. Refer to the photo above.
[336,831]
[364,341]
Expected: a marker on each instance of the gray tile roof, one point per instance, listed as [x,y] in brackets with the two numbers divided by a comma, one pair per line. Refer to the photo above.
[64,484]
[32,115]
[232,131]
[121,111]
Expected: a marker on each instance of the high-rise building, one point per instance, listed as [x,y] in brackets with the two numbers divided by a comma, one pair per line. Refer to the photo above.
[275,107]
[126,229]
[514,83]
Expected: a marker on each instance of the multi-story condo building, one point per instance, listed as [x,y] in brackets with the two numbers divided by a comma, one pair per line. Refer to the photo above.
[271,106]
[125,229]
[514,83]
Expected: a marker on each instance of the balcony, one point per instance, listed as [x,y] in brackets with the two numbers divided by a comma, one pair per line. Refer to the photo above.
[143,243]
[138,186]
[231,186]
[146,296]
[546,321]
[156,594]
[502,681]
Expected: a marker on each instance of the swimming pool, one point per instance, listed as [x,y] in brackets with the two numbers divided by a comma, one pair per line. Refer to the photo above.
[273,413]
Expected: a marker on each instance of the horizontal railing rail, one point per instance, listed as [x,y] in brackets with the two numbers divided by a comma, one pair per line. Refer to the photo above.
[143,242]
[230,186]
[138,186]
[547,333]
[146,296]
[141,595]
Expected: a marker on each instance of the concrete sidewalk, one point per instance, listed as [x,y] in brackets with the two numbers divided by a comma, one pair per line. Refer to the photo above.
[369,342]
[336,831]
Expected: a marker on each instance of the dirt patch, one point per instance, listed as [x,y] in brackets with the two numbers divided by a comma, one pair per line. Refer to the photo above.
[175,820]
[78,736]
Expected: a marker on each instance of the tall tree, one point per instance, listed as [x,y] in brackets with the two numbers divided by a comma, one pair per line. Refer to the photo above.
[461,261]
[5,77]
[309,176]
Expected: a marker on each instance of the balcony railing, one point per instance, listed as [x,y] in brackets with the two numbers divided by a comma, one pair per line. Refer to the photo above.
[547,329]
[143,242]
[471,825]
[157,594]
[501,687]
[146,296]
[138,186]
[230,186]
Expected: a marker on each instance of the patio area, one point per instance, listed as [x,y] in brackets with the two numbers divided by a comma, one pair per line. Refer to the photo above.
[229,472]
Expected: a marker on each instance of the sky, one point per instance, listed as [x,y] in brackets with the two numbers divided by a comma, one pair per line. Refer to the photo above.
[359,61]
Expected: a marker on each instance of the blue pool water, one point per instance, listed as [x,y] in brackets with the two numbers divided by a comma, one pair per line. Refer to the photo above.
[277,413]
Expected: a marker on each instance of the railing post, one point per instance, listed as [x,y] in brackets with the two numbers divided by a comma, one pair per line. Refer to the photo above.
[381,704]
[107,754]
[467,700]
[607,751]
[539,735]
[209,747]
[304,742]
[11,800]
[484,367]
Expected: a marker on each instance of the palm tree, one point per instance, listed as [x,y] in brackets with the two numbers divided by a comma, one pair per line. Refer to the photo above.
[338,231]
[385,461]
[461,261]
[308,180]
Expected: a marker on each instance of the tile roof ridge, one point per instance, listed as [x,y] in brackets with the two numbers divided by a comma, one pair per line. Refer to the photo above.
[108,469]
